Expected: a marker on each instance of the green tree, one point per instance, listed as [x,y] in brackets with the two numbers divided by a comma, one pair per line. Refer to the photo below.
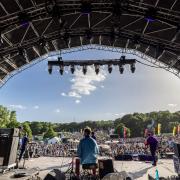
[50,133]
[13,123]
[4,116]
[27,129]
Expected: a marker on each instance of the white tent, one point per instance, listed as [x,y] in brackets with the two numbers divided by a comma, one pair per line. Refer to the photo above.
[54,140]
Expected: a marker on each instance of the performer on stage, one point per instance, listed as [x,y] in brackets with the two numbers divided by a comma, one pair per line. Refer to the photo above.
[153,144]
[88,150]
[23,145]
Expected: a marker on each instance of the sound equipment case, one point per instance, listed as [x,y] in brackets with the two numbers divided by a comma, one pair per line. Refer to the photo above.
[9,139]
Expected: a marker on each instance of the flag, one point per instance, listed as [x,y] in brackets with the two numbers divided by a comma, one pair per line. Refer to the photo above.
[174,130]
[159,129]
[178,129]
[124,133]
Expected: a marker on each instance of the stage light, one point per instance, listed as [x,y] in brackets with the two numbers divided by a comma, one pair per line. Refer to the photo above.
[84,69]
[61,69]
[123,58]
[86,7]
[96,66]
[50,69]
[151,14]
[110,68]
[22,52]
[72,68]
[133,68]
[121,69]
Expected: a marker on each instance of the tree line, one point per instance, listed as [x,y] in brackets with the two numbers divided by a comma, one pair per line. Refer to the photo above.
[135,123]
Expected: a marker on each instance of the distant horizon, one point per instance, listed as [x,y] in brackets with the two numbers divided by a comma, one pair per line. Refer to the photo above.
[35,95]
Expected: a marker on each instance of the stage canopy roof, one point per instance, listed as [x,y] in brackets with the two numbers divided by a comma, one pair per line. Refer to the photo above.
[32,28]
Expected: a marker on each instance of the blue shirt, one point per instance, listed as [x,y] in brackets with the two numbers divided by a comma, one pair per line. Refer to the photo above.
[88,150]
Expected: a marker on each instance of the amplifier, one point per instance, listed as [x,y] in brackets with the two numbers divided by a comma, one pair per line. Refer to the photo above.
[9,140]
[105,167]
[10,132]
[177,149]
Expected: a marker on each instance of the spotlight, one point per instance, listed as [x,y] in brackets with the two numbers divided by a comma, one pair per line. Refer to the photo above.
[151,14]
[96,68]
[123,58]
[50,69]
[22,52]
[86,7]
[84,69]
[109,68]
[133,68]
[61,69]
[72,68]
[121,69]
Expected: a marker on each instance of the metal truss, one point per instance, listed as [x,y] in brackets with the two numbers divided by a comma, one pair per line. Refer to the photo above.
[122,51]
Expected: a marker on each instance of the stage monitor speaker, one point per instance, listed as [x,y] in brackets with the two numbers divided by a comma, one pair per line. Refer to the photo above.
[9,139]
[177,149]
[125,157]
[105,167]
[123,175]
[55,174]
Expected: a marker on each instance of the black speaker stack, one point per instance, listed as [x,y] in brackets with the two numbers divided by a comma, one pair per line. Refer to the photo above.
[176,158]
[9,138]
[105,167]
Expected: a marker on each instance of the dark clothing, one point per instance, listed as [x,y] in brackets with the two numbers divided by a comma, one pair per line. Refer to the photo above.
[23,146]
[94,137]
[24,142]
[153,143]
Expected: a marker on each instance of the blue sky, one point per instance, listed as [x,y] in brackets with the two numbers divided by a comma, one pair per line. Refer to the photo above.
[38,96]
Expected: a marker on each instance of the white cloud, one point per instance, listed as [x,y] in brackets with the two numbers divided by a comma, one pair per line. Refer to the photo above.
[57,110]
[116,114]
[85,84]
[36,107]
[172,105]
[74,94]
[63,94]
[102,86]
[77,101]
[17,106]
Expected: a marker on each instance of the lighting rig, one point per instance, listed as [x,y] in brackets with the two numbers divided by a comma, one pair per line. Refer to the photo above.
[97,63]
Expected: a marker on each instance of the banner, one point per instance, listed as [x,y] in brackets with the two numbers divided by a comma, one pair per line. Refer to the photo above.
[174,131]
[178,129]
[159,129]
[124,133]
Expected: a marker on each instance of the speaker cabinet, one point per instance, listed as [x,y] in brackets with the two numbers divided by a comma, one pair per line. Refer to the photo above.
[177,149]
[105,167]
[9,139]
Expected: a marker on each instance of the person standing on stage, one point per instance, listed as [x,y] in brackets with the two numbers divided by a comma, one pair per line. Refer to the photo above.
[93,135]
[23,145]
[153,144]
[88,150]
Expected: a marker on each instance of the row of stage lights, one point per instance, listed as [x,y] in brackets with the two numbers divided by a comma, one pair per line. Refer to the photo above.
[96,64]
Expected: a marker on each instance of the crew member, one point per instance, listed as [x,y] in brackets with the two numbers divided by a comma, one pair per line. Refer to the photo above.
[23,145]
[93,135]
[153,144]
[88,151]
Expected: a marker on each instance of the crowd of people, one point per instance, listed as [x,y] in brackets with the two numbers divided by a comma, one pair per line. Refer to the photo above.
[113,148]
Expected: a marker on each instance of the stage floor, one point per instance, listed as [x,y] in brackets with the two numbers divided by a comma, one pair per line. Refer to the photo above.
[139,170]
